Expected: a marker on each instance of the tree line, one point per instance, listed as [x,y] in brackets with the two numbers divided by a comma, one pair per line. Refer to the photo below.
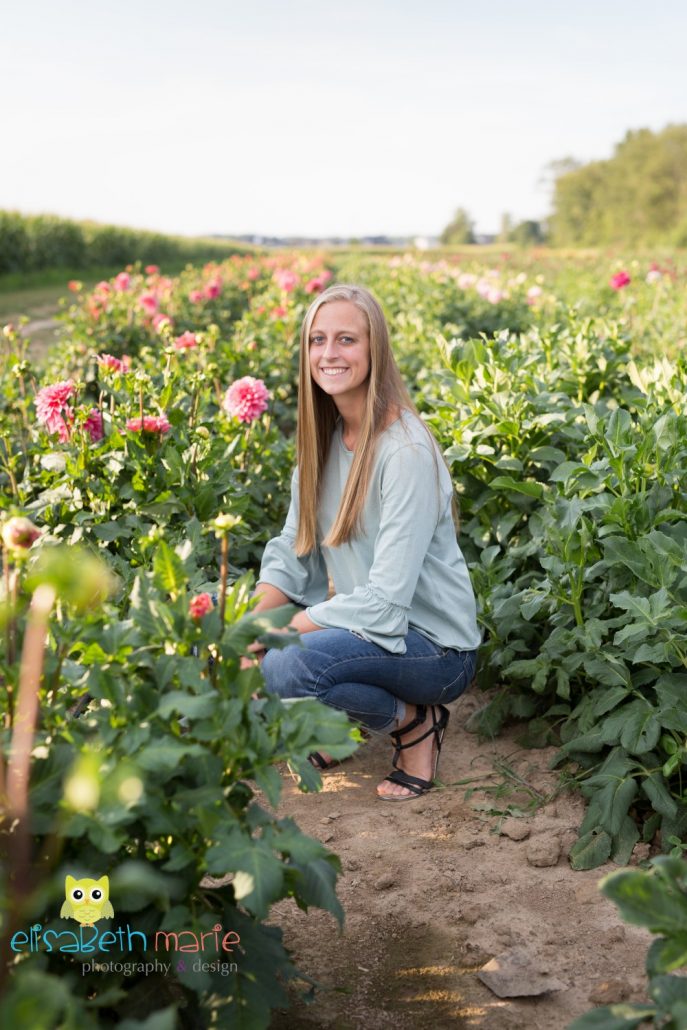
[638,196]
[30,243]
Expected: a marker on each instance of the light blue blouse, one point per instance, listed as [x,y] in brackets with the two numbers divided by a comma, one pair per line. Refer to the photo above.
[404,569]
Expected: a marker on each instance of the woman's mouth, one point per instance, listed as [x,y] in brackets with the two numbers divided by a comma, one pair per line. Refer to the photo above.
[333,371]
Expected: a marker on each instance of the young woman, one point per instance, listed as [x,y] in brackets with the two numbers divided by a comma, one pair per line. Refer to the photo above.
[372,508]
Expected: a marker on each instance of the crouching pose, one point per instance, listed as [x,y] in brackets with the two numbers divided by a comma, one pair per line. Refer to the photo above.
[372,508]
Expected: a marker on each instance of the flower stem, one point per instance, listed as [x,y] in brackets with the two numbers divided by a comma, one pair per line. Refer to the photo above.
[224,571]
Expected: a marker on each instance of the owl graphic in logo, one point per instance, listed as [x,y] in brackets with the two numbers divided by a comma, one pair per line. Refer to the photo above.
[87,900]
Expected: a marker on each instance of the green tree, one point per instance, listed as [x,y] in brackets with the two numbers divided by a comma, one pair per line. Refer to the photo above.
[460,229]
[638,196]
[527,233]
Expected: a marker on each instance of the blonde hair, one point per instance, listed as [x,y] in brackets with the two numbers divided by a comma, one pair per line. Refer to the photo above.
[317,415]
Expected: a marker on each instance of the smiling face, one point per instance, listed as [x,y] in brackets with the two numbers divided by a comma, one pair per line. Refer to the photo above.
[339,353]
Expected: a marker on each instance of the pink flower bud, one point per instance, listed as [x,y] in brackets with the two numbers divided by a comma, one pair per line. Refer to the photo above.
[199,606]
[18,534]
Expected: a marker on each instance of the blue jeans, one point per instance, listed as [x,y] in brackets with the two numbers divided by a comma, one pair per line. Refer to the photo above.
[372,685]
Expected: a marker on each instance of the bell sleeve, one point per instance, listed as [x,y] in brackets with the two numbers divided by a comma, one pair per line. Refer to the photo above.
[410,506]
[304,580]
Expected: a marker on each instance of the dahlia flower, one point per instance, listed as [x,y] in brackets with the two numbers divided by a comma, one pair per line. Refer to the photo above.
[186,341]
[111,364]
[246,399]
[51,407]
[620,279]
[149,424]
[199,606]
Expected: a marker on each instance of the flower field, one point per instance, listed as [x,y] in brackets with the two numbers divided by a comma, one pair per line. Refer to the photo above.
[144,466]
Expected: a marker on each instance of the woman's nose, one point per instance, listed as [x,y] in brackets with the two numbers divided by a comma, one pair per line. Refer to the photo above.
[330,348]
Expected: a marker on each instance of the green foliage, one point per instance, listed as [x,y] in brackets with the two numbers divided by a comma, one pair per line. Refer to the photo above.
[637,196]
[657,900]
[33,242]
[460,229]
[568,453]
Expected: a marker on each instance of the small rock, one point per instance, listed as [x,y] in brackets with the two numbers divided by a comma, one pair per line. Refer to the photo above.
[353,864]
[385,881]
[640,853]
[327,837]
[378,854]
[543,851]
[470,844]
[326,821]
[609,992]
[615,935]
[518,974]
[472,914]
[335,815]
[515,829]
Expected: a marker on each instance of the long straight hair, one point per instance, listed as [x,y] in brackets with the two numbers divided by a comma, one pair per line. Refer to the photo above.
[317,415]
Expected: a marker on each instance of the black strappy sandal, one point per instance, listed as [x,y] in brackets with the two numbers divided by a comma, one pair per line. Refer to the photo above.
[320,762]
[415,784]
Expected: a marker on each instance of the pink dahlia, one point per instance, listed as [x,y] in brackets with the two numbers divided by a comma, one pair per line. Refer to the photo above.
[122,282]
[199,606]
[160,321]
[315,285]
[151,269]
[246,399]
[94,425]
[52,407]
[111,364]
[74,285]
[148,302]
[620,279]
[149,424]
[196,296]
[213,289]
[279,311]
[186,341]
[253,273]
[286,279]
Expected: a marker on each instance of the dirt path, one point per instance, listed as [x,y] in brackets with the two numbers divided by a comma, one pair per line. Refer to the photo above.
[432,891]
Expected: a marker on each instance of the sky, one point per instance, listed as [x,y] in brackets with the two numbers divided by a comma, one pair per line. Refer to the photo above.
[291,117]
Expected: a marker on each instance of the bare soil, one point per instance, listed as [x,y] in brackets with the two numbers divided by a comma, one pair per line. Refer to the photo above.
[433,889]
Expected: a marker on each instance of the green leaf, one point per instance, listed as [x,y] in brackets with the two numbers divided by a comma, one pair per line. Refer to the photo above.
[591,850]
[317,887]
[658,794]
[269,781]
[613,1017]
[619,430]
[168,570]
[192,705]
[520,486]
[642,728]
[667,990]
[667,954]
[647,899]
[166,754]
[624,841]
[258,873]
[614,801]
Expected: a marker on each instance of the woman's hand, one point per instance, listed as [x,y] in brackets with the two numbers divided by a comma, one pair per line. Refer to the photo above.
[256,651]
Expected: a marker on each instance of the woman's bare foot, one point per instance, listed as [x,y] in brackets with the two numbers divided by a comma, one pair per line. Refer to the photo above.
[416,761]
